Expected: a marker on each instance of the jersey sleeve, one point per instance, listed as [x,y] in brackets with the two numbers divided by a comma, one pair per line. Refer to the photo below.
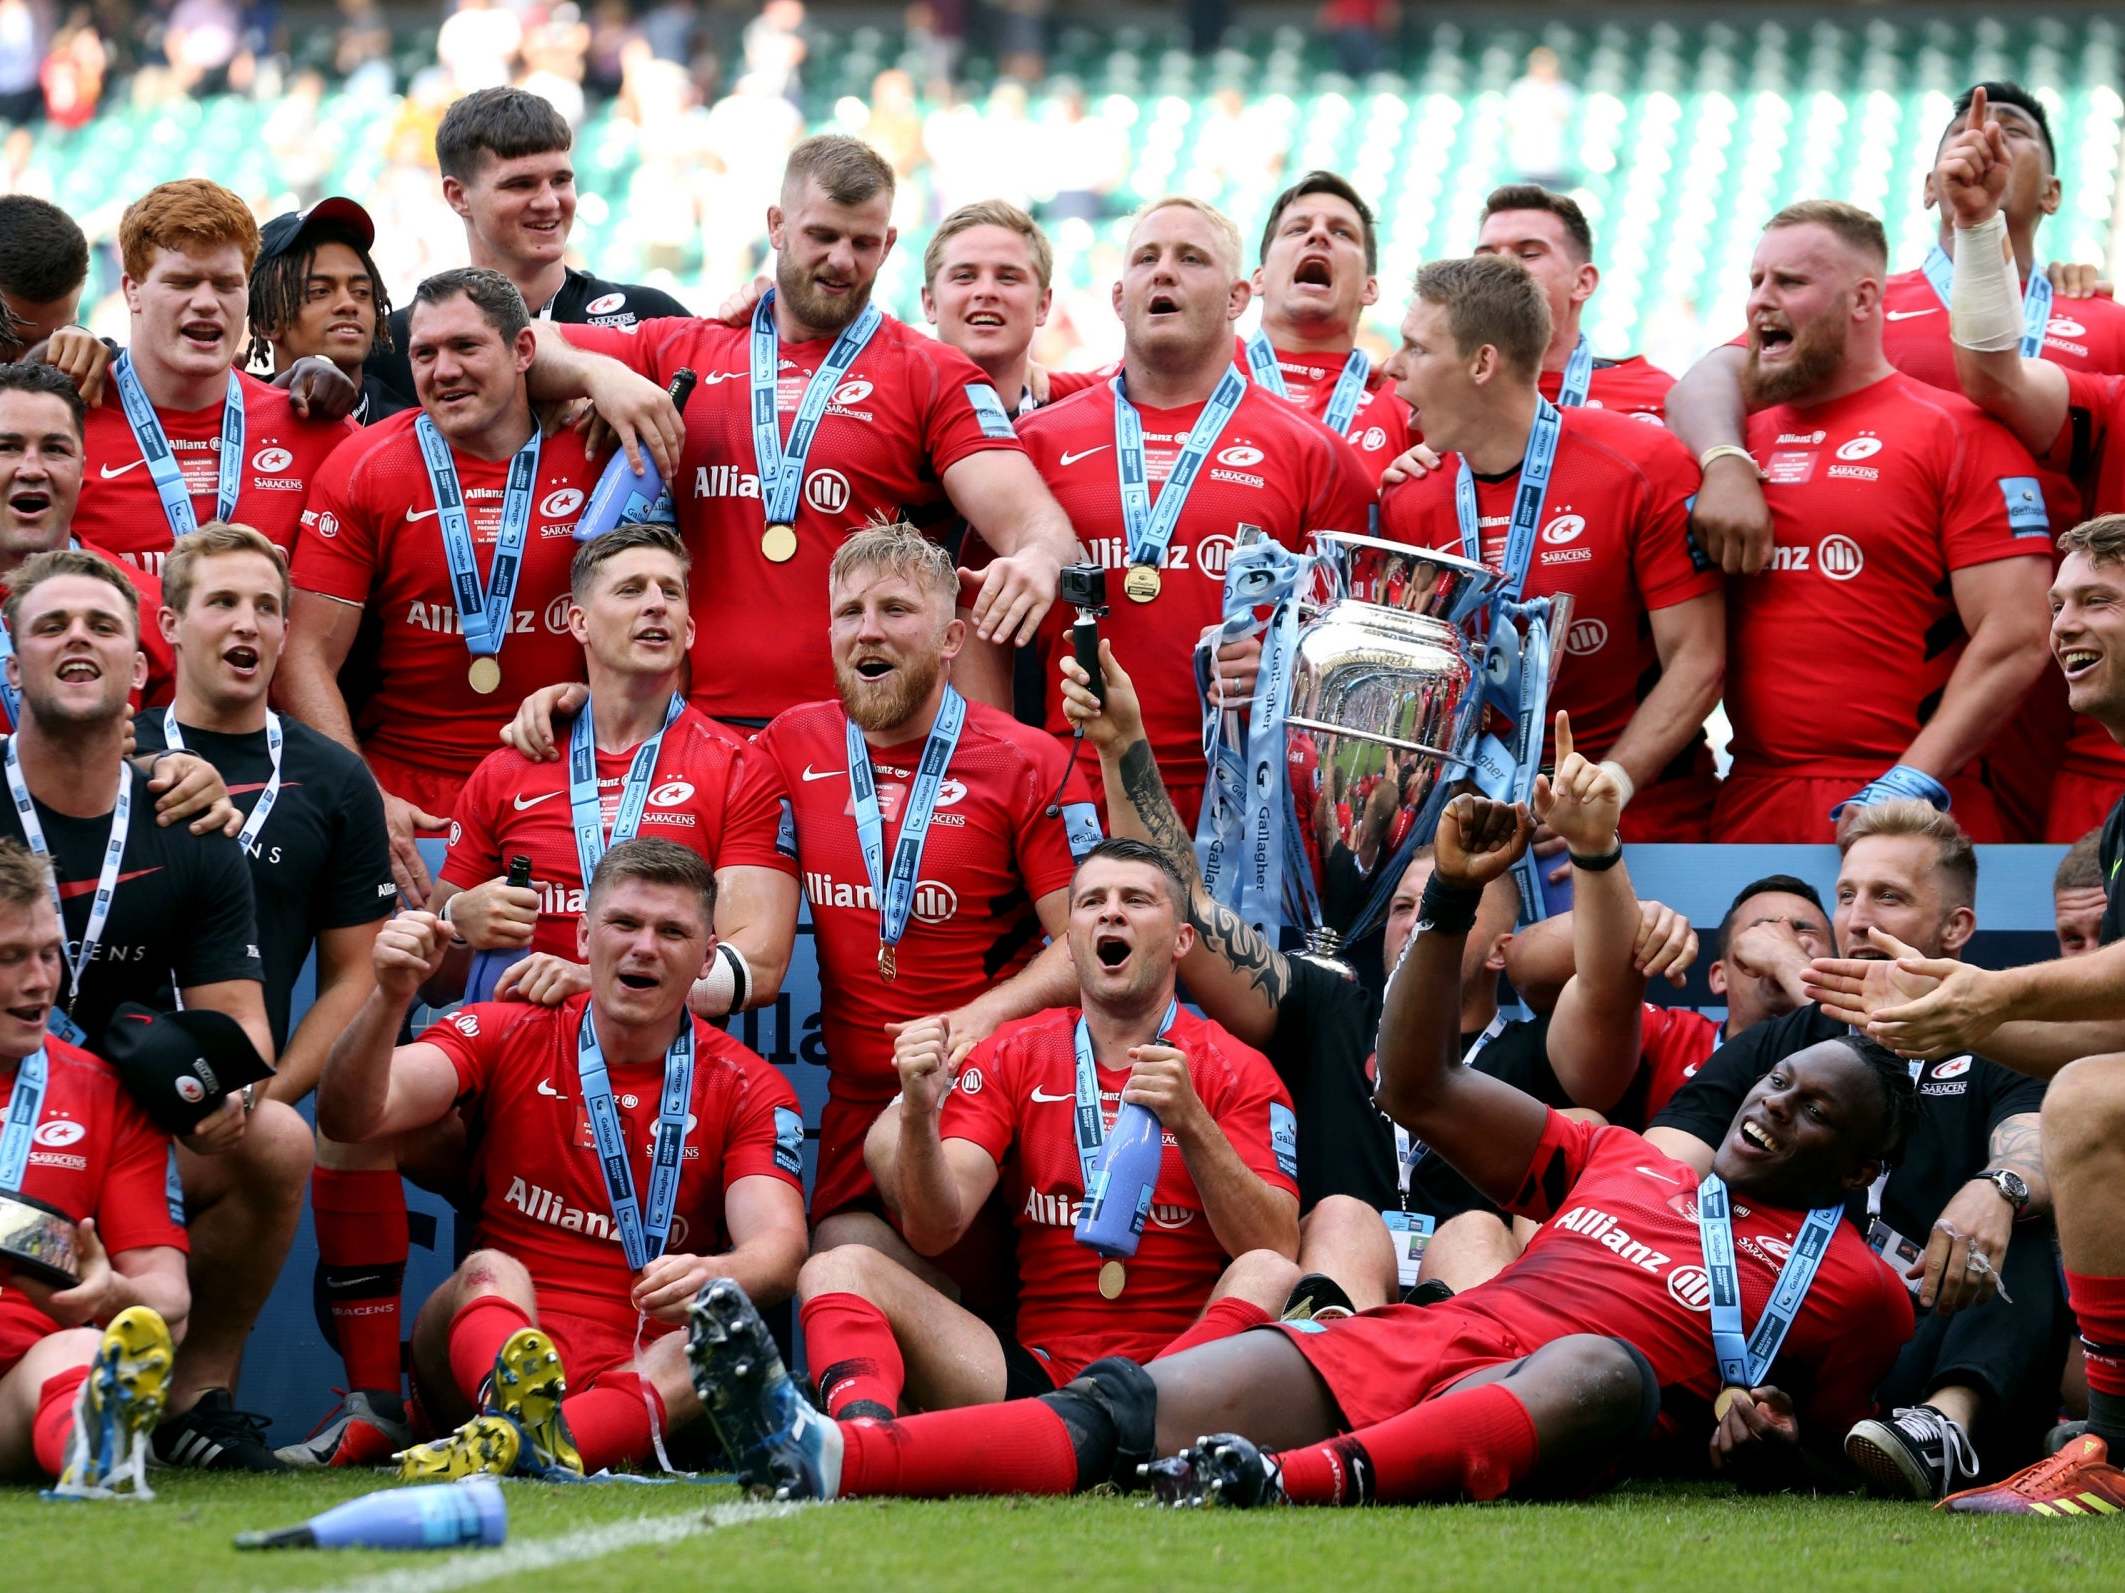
[982,1108]
[959,412]
[337,549]
[2009,1094]
[475,854]
[754,815]
[1561,1155]
[1048,848]
[133,1208]
[221,920]
[638,347]
[1255,1115]
[1663,557]
[765,1135]
[360,889]
[1993,503]
[2093,401]
[472,1038]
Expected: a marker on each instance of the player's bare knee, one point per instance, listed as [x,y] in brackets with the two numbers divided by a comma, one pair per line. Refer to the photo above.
[491,1272]
[1609,1384]
[1262,1277]
[278,1152]
[2084,1113]
[845,1269]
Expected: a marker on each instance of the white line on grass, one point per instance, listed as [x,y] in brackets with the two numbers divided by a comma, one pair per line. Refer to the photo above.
[472,1566]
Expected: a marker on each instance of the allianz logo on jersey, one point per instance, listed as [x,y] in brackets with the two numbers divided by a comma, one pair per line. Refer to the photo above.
[1209,554]
[1836,556]
[1056,1210]
[444,619]
[825,490]
[935,901]
[543,1205]
[1590,1222]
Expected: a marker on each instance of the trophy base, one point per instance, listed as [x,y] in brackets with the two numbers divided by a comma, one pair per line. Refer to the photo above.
[1324,950]
[37,1241]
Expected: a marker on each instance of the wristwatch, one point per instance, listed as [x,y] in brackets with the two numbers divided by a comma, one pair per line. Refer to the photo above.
[2013,1187]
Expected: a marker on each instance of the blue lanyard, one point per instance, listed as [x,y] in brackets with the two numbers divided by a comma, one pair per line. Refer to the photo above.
[1087,1122]
[641,1240]
[1150,527]
[106,881]
[895,892]
[22,1110]
[1342,403]
[484,613]
[781,465]
[583,807]
[163,469]
[2036,299]
[1527,501]
[1578,375]
[173,739]
[1745,1363]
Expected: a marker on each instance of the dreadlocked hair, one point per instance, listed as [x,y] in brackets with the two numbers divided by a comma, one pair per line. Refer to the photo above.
[277,298]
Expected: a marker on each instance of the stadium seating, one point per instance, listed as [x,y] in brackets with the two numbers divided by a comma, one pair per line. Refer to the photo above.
[1686,134]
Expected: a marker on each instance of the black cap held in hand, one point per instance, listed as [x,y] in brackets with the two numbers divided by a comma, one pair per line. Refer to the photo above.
[180,1066]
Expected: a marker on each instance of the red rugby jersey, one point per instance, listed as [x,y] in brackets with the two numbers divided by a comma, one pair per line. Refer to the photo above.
[908,410]
[1379,431]
[372,538]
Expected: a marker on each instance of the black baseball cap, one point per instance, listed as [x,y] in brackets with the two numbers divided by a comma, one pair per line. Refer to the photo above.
[335,219]
[180,1066]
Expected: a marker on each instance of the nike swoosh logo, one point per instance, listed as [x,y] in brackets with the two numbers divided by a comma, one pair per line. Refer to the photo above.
[546,1088]
[139,1017]
[811,773]
[87,887]
[1045,1098]
[1663,1177]
[531,802]
[421,514]
[714,377]
[109,473]
[1083,453]
[1905,315]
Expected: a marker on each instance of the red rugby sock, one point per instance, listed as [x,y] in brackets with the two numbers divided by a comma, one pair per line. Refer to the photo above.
[610,1424]
[1220,1320]
[1019,1447]
[54,1420]
[477,1333]
[2099,1306]
[850,1344]
[1476,1443]
[362,1245]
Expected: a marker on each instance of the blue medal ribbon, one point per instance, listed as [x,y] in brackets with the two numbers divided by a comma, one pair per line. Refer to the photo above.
[78,957]
[1342,403]
[163,469]
[483,611]
[2036,299]
[173,739]
[781,465]
[22,1110]
[641,1237]
[1530,721]
[1528,496]
[1745,1363]
[1150,526]
[1578,375]
[1087,1122]
[894,892]
[584,810]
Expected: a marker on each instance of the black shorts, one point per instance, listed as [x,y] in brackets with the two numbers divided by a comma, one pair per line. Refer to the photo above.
[1025,1374]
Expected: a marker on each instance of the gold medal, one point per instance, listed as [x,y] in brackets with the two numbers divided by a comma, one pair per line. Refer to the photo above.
[485,674]
[888,964]
[1113,1278]
[1724,1403]
[779,543]
[1141,583]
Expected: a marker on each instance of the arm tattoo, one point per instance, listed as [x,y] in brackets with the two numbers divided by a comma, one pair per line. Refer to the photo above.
[1224,932]
[2017,1144]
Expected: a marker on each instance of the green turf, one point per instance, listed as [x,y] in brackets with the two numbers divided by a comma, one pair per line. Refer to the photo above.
[1679,1537]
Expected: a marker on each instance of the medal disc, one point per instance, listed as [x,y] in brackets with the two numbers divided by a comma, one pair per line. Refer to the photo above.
[779,543]
[888,964]
[1141,583]
[485,674]
[1724,1403]
[1113,1278]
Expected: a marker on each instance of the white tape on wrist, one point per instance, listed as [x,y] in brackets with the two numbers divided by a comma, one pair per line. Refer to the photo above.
[1615,770]
[715,991]
[1985,304]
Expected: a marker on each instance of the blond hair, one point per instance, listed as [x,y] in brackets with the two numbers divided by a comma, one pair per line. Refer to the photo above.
[2102,539]
[898,549]
[180,568]
[1955,857]
[848,171]
[25,878]
[1490,299]
[1857,228]
[990,213]
[1228,234]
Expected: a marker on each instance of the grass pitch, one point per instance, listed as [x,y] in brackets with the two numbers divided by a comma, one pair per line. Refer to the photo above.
[601,1539]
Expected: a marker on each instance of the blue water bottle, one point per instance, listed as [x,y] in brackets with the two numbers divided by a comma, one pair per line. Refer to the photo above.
[1112,1219]
[623,498]
[442,1515]
[489,966]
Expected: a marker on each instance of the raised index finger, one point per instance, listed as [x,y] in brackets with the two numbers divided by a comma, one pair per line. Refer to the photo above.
[1975,121]
[1563,739]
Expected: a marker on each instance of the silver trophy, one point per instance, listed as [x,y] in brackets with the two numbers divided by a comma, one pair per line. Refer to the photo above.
[1386,702]
[38,1241]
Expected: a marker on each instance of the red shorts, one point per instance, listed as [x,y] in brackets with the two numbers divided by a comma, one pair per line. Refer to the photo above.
[1794,810]
[1672,811]
[2022,759]
[595,1352]
[424,788]
[842,1180]
[2080,803]
[22,1328]
[1392,1358]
